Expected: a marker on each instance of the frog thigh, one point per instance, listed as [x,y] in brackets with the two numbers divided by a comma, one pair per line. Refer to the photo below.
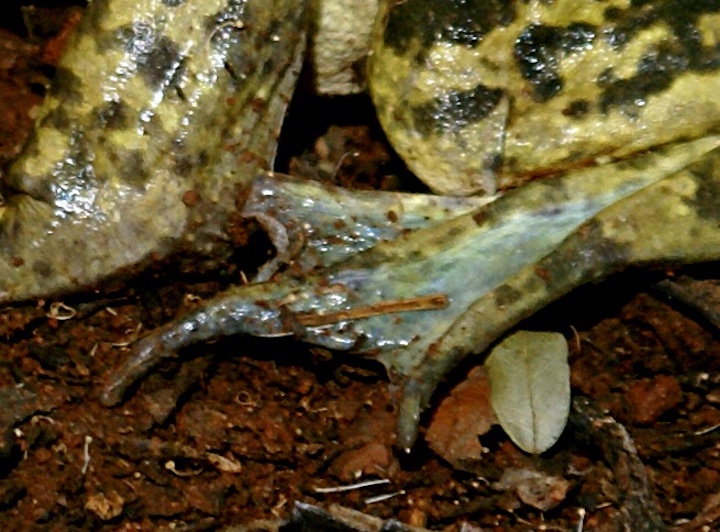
[159,113]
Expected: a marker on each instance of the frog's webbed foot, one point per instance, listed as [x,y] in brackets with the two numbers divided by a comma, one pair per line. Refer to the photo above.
[125,163]
[245,313]
[426,299]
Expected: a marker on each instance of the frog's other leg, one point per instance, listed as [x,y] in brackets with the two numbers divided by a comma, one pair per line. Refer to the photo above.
[400,299]
[160,113]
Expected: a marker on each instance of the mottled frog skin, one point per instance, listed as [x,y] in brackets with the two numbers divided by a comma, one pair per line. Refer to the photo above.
[160,113]
[163,109]
[483,95]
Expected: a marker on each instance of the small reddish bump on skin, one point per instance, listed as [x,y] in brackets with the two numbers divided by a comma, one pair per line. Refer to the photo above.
[392,216]
[17,262]
[247,156]
[433,349]
[191,198]
[258,104]
[155,256]
[338,224]
[230,100]
[543,274]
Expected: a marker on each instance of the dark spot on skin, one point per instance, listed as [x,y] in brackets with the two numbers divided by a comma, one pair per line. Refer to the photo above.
[32,150]
[705,202]
[56,119]
[494,162]
[506,295]
[539,50]
[230,70]
[132,166]
[456,110]
[577,37]
[43,269]
[158,59]
[164,66]
[577,109]
[606,78]
[173,3]
[67,86]
[536,52]
[680,15]
[203,158]
[656,71]
[113,115]
[185,164]
[480,217]
[461,22]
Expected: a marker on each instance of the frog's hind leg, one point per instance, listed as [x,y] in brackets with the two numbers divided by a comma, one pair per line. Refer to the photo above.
[160,114]
[422,301]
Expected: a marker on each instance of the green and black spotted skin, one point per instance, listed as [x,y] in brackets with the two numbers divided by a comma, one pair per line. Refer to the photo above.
[480,95]
[161,111]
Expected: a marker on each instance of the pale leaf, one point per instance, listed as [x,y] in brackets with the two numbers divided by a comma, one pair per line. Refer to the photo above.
[530,388]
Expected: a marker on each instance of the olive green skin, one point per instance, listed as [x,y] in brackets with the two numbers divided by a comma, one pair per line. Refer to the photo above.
[164,181]
[486,96]
[162,111]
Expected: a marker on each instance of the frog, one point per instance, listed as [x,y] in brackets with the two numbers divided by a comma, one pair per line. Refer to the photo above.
[573,140]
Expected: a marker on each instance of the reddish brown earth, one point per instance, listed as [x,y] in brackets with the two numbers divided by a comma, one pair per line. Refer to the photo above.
[247,428]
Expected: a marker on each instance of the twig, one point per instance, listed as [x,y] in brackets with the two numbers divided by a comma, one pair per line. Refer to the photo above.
[429,302]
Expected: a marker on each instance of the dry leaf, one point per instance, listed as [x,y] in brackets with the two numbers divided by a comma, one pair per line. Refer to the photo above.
[530,388]
[461,417]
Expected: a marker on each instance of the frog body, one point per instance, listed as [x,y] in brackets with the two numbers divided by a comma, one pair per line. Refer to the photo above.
[155,181]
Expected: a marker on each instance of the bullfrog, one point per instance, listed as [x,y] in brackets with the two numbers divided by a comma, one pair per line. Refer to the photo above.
[574,139]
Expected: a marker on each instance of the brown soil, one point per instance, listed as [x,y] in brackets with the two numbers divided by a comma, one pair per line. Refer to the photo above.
[243,429]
